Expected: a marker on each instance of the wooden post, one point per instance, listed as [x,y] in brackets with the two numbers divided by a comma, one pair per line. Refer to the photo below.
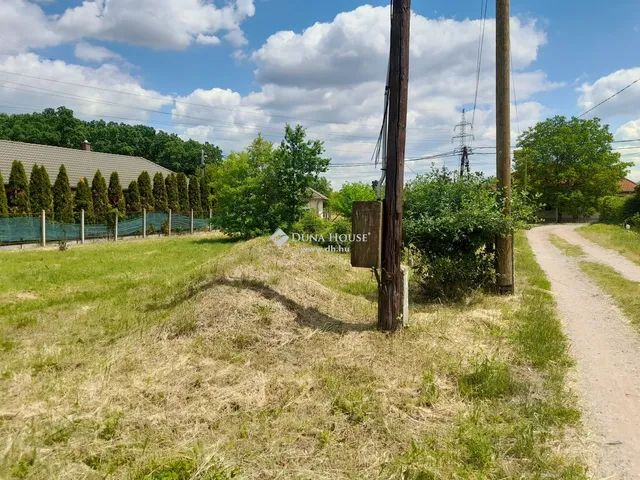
[144,223]
[504,245]
[210,217]
[169,232]
[390,288]
[191,223]
[43,228]
[115,228]
[82,226]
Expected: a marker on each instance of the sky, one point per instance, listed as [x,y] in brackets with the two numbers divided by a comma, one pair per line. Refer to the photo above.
[224,71]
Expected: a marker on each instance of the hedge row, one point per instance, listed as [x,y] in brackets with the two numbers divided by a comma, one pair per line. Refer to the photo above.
[619,209]
[23,197]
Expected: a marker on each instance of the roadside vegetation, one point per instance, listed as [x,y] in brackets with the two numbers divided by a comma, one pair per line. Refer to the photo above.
[569,249]
[197,358]
[625,293]
[626,243]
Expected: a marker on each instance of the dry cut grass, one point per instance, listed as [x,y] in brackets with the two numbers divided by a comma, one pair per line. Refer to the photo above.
[266,364]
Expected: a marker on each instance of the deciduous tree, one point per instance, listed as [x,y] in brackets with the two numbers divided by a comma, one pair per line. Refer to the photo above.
[570,163]
[341,202]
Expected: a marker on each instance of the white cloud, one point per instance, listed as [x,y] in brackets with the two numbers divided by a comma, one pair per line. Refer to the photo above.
[37,91]
[161,24]
[236,38]
[208,39]
[239,55]
[94,53]
[627,103]
[334,72]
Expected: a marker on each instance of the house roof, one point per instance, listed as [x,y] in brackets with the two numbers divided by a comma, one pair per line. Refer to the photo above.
[79,163]
[317,195]
[627,186]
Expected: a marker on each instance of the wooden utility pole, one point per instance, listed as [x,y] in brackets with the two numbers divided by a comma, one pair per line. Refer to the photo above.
[504,245]
[391,285]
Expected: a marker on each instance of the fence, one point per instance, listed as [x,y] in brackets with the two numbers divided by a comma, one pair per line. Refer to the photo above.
[40,229]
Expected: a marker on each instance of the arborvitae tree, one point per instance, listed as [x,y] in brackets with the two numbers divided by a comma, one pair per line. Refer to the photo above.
[116,197]
[173,199]
[100,198]
[62,197]
[133,198]
[4,208]
[40,193]
[18,190]
[84,201]
[146,194]
[183,191]
[194,193]
[204,195]
[159,194]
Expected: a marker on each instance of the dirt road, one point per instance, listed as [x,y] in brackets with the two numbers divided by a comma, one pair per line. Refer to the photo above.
[606,349]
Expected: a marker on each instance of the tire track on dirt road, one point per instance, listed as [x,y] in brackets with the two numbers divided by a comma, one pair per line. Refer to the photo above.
[607,354]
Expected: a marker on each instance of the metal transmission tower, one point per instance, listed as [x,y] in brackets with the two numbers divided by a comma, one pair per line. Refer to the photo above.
[463,149]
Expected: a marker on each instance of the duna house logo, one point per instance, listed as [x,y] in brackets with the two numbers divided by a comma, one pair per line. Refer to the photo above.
[279,238]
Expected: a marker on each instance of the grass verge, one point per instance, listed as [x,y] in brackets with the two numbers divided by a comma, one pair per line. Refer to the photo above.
[625,293]
[567,248]
[259,362]
[627,243]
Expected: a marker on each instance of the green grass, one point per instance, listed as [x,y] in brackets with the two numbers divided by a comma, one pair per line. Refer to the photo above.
[625,293]
[567,248]
[179,359]
[627,243]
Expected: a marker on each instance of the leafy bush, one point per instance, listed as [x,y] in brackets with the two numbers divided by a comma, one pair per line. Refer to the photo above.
[324,231]
[618,209]
[448,223]
[164,228]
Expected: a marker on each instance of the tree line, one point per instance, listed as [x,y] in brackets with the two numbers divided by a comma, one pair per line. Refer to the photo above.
[59,128]
[24,196]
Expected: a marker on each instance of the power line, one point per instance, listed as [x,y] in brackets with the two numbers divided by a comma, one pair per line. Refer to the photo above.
[479,59]
[181,102]
[607,99]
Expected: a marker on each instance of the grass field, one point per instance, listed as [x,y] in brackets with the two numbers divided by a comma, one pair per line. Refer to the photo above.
[195,358]
[569,249]
[615,238]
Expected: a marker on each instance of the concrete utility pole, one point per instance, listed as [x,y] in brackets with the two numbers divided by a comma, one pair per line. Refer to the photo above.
[504,245]
[202,157]
[390,301]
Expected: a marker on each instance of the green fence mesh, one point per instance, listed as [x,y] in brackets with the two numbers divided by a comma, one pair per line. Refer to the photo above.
[15,230]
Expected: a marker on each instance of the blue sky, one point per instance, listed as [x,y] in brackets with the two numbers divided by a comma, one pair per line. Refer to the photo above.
[238,56]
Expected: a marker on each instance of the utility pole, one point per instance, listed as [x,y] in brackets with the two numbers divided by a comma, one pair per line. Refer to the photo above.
[390,301]
[463,149]
[504,245]
[202,157]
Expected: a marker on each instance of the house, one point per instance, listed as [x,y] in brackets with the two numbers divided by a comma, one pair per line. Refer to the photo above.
[81,163]
[317,202]
[627,187]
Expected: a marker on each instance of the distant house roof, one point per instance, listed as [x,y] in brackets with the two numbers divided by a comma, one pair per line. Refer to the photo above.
[79,163]
[627,186]
[317,195]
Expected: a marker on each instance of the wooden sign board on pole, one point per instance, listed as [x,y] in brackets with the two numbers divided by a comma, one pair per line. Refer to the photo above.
[366,228]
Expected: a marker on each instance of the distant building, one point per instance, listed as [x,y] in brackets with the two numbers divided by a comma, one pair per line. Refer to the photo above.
[627,187]
[317,202]
[81,163]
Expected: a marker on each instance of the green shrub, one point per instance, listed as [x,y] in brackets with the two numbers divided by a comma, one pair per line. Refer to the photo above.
[618,209]
[448,223]
[161,203]
[173,198]
[4,208]
[100,197]
[116,197]
[133,198]
[183,191]
[18,190]
[40,194]
[146,194]
[194,193]
[84,201]
[310,222]
[62,197]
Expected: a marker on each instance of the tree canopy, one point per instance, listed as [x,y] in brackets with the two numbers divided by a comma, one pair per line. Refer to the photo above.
[59,128]
[146,193]
[116,196]
[100,197]
[40,194]
[194,193]
[18,190]
[84,200]
[62,197]
[133,198]
[569,163]
[160,194]
[341,202]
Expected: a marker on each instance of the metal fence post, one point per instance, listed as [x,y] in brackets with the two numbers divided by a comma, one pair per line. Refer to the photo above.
[115,229]
[169,232]
[82,226]
[210,217]
[191,222]
[144,223]
[43,228]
